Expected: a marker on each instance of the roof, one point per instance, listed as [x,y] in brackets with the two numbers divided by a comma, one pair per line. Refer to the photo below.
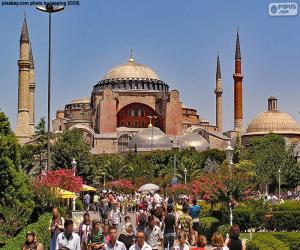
[193,140]
[131,71]
[85,99]
[24,33]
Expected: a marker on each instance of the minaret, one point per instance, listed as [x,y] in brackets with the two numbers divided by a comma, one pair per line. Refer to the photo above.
[219,92]
[31,93]
[238,88]
[22,128]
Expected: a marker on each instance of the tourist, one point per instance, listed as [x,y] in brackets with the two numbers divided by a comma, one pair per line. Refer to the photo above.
[217,242]
[141,218]
[169,228]
[68,238]
[201,242]
[31,242]
[182,243]
[113,243]
[127,235]
[105,232]
[185,222]
[115,215]
[87,201]
[96,202]
[104,210]
[153,235]
[152,213]
[95,238]
[234,242]
[84,229]
[140,242]
[55,227]
[195,213]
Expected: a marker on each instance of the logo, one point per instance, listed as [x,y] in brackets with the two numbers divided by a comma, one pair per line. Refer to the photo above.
[283,9]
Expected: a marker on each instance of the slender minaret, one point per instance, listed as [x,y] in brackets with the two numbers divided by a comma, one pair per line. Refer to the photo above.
[238,88]
[22,128]
[31,93]
[219,92]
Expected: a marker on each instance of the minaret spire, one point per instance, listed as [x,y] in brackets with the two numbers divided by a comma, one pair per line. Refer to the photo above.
[23,131]
[31,93]
[131,56]
[219,101]
[238,87]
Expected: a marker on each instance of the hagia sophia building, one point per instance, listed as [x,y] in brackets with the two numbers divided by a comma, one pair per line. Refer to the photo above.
[132,108]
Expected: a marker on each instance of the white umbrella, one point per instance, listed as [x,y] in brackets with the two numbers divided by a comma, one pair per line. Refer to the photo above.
[148,188]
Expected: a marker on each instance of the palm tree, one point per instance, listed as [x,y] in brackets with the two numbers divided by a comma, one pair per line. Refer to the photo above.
[192,169]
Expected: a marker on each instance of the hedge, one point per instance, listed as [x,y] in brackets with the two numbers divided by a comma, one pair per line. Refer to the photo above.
[291,239]
[224,230]
[208,226]
[40,228]
[266,241]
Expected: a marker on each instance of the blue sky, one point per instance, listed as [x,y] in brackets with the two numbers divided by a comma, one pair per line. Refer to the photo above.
[179,39]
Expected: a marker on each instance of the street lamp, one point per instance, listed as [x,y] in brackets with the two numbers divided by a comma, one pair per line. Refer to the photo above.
[150,125]
[74,167]
[49,8]
[104,181]
[229,156]
[185,172]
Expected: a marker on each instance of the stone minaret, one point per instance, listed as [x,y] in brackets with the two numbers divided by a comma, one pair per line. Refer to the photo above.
[238,88]
[219,92]
[22,129]
[31,93]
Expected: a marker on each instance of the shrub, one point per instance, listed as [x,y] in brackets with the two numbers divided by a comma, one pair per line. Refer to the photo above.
[248,217]
[40,228]
[224,229]
[79,205]
[288,205]
[208,225]
[291,239]
[266,241]
[285,221]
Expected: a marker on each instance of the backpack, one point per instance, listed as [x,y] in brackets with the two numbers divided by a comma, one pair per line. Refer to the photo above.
[159,212]
[143,220]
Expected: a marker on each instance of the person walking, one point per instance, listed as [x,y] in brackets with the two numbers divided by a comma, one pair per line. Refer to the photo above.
[153,235]
[169,228]
[182,243]
[84,230]
[31,242]
[141,218]
[113,243]
[217,242]
[140,242]
[234,242]
[87,202]
[96,202]
[127,235]
[95,239]
[195,213]
[115,215]
[56,226]
[104,211]
[68,238]
[185,222]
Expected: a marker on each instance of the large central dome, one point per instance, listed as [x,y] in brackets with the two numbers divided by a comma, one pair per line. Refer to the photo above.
[131,71]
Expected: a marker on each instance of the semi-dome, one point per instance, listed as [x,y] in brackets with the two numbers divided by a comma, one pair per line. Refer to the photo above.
[193,140]
[273,121]
[131,71]
[150,138]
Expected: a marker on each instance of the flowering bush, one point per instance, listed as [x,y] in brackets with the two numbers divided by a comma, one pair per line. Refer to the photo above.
[62,178]
[179,189]
[121,185]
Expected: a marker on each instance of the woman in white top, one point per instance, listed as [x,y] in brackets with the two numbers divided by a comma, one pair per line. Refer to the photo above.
[218,242]
[181,242]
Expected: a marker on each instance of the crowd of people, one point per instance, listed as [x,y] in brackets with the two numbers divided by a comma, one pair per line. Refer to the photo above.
[159,223]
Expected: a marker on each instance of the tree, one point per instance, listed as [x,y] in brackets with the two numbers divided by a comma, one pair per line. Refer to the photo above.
[187,166]
[269,154]
[71,145]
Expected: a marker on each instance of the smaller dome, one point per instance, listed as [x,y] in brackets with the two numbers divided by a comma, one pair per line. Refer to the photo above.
[193,140]
[150,138]
[85,99]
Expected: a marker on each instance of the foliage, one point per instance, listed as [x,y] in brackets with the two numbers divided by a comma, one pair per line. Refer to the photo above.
[287,205]
[178,189]
[122,185]
[224,230]
[71,145]
[208,226]
[291,239]
[266,241]
[269,154]
[39,227]
[63,178]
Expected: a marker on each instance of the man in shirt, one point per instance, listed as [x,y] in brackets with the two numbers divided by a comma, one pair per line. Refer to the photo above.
[185,221]
[169,228]
[115,215]
[140,242]
[87,201]
[153,234]
[96,202]
[113,243]
[68,238]
[195,213]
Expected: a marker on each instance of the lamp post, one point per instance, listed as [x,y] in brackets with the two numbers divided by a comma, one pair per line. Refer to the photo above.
[150,125]
[185,172]
[49,8]
[104,181]
[229,156]
[279,182]
[74,167]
